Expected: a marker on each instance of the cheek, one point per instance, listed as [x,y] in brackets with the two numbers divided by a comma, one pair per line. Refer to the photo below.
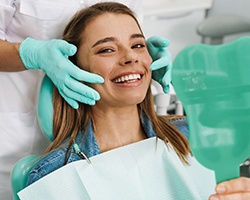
[147,61]
[101,66]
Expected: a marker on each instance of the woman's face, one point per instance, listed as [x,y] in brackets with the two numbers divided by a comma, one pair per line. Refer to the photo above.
[114,47]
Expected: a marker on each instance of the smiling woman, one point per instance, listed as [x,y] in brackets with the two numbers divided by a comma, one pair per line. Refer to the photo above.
[110,43]
[117,53]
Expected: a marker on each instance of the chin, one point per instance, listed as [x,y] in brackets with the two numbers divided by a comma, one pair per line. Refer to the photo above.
[137,99]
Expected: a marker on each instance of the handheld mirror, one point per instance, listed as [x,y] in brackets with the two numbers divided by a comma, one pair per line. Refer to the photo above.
[213,84]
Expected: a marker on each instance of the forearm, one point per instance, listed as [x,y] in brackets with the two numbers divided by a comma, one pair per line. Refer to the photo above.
[10,60]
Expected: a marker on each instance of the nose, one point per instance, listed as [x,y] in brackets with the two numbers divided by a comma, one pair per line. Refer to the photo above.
[129,57]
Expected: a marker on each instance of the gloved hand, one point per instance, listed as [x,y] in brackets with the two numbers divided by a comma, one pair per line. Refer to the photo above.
[162,64]
[51,56]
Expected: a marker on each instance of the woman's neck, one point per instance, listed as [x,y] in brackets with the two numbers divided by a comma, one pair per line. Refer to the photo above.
[117,127]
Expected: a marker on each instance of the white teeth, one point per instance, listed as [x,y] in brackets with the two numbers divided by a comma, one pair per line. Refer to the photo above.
[131,77]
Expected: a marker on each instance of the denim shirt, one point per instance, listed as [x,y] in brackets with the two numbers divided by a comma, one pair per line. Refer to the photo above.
[89,147]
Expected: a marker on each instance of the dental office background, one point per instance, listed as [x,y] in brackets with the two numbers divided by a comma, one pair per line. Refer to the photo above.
[179,22]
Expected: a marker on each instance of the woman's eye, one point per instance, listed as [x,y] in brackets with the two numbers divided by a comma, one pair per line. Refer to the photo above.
[138,46]
[106,51]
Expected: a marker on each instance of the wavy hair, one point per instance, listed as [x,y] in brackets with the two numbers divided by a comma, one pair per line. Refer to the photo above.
[67,122]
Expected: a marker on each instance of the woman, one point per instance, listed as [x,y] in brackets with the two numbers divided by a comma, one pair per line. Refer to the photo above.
[110,43]
[29,32]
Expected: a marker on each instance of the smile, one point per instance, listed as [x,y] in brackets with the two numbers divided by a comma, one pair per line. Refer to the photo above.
[128,78]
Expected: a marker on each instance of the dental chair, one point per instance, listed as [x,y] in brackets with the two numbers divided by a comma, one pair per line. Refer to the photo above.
[165,104]
[22,168]
[224,18]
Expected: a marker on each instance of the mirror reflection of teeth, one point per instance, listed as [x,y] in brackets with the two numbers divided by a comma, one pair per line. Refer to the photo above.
[131,77]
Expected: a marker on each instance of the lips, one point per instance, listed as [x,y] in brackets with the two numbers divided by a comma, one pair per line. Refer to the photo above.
[128,78]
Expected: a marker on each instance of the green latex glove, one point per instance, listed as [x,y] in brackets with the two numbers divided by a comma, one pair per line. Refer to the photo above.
[162,64]
[51,56]
[213,84]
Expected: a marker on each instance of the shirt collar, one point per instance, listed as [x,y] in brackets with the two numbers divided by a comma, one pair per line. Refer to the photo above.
[87,141]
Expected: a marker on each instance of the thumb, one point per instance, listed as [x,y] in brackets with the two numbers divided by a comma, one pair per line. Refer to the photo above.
[66,48]
[157,41]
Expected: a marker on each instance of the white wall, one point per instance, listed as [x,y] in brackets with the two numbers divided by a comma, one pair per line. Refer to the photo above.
[177,20]
[179,30]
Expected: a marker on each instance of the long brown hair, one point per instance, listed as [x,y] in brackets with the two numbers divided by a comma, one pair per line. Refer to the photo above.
[68,121]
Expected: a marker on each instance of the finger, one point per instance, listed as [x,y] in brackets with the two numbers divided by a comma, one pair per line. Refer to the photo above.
[164,61]
[81,98]
[166,89]
[157,41]
[234,196]
[167,78]
[76,97]
[66,48]
[81,89]
[241,184]
[83,75]
[70,101]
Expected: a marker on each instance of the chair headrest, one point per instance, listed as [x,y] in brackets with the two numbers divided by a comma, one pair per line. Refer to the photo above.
[45,107]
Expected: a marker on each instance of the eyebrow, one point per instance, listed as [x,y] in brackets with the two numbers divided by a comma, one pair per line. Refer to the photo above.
[112,39]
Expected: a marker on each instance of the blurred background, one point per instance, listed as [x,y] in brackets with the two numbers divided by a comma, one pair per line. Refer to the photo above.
[186,22]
